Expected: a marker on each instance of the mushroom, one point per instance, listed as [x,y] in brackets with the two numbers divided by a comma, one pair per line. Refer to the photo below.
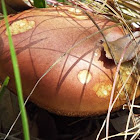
[81,83]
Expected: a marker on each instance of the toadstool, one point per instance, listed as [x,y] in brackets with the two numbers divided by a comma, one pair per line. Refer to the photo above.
[81,83]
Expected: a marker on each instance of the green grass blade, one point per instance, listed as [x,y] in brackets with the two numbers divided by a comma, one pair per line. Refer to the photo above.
[40,3]
[2,89]
[17,77]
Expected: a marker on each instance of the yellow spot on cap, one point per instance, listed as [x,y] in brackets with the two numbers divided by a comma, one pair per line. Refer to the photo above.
[102,89]
[96,54]
[21,26]
[84,76]
[75,11]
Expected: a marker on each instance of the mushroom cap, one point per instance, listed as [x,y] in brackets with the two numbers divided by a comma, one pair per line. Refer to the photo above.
[81,83]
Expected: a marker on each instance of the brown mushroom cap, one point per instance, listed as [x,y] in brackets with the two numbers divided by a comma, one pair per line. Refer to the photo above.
[40,37]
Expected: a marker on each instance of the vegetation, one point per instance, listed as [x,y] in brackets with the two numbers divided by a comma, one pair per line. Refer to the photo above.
[123,12]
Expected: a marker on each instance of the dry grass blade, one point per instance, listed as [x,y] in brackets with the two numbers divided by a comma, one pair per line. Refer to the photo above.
[131,109]
[132,5]
[130,9]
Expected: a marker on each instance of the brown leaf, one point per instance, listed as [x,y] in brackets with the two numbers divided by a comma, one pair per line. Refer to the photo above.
[14,6]
[117,47]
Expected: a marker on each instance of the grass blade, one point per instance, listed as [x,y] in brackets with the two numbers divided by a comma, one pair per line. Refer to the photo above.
[40,3]
[5,83]
[17,77]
